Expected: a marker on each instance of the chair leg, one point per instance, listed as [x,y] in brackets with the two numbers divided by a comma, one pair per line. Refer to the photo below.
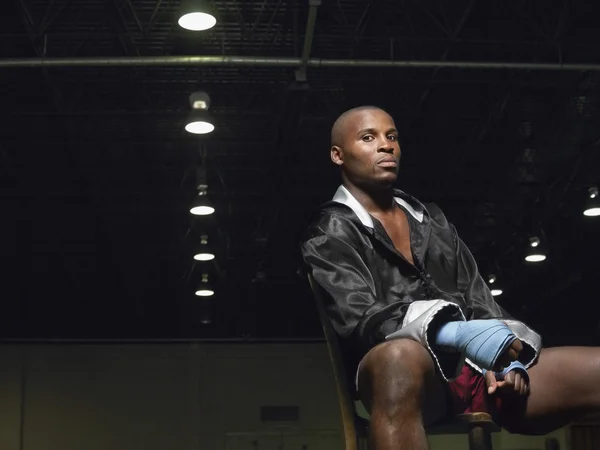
[480,438]
[362,443]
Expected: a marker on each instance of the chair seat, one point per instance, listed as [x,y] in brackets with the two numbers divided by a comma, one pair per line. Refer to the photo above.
[463,423]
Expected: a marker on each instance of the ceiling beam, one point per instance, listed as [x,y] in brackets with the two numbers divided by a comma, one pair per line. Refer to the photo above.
[266,61]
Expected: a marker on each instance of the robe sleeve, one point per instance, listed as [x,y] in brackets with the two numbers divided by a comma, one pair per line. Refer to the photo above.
[358,316]
[479,298]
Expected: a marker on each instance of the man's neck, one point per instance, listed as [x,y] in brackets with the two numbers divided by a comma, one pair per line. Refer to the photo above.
[379,201]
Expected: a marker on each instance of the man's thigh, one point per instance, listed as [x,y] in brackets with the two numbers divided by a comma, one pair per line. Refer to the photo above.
[563,386]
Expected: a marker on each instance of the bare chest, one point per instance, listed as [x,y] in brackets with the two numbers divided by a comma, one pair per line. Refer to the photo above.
[398,230]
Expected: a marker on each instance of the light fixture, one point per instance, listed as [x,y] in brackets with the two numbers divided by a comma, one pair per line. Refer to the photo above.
[201,205]
[205,311]
[592,204]
[496,291]
[534,252]
[205,318]
[199,121]
[196,16]
[204,288]
[203,253]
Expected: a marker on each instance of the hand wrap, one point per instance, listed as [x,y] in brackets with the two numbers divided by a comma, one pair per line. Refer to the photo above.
[482,341]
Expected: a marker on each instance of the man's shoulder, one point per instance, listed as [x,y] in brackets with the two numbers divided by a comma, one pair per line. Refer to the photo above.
[436,213]
[334,219]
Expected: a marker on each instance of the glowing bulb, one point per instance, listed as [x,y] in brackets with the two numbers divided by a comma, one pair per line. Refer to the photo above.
[592,212]
[199,127]
[197,21]
[204,257]
[202,210]
[536,257]
[205,292]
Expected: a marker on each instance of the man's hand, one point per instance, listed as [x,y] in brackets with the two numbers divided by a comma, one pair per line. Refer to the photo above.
[489,343]
[510,354]
[514,383]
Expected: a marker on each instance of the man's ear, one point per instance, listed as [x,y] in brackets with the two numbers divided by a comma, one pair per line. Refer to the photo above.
[337,155]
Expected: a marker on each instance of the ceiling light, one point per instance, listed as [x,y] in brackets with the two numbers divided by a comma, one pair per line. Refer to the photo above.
[496,290]
[592,205]
[204,253]
[205,318]
[204,288]
[207,256]
[195,16]
[199,120]
[536,257]
[205,292]
[535,253]
[201,205]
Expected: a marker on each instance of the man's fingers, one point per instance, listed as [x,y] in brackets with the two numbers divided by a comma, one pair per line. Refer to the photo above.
[517,346]
[504,361]
[524,385]
[524,388]
[510,377]
[509,382]
[509,355]
[514,383]
[490,381]
[518,383]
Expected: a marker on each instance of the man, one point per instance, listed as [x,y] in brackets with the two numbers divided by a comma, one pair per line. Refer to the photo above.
[417,323]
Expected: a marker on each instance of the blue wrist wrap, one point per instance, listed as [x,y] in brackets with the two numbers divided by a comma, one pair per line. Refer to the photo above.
[482,341]
[515,365]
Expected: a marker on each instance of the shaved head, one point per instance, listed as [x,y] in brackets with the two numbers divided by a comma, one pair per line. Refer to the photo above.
[364,145]
[340,126]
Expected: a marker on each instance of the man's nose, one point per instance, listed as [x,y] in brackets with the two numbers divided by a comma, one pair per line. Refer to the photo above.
[385,146]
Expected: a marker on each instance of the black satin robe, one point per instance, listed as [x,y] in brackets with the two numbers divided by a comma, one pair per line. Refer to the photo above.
[372,291]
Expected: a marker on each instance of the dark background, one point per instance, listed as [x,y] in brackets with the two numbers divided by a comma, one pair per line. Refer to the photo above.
[97,172]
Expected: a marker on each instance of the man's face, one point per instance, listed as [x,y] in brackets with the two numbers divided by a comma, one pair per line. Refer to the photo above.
[369,153]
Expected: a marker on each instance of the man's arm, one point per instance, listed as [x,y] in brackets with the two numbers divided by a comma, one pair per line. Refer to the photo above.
[479,297]
[355,312]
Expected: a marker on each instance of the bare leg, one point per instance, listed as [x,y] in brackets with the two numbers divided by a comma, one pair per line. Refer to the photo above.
[564,385]
[399,387]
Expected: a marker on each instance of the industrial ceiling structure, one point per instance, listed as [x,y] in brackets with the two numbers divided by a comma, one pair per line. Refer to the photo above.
[497,104]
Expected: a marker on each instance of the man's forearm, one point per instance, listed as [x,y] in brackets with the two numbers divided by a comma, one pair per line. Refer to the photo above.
[482,341]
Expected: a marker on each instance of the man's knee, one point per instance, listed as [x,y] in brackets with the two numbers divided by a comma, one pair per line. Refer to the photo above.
[395,373]
[399,356]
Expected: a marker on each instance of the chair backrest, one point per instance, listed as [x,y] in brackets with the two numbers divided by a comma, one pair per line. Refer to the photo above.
[339,372]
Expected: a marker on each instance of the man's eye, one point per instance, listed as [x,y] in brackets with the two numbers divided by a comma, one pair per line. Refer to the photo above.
[367,138]
[392,137]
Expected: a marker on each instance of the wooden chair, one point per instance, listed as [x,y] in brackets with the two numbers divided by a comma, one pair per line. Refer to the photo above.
[478,426]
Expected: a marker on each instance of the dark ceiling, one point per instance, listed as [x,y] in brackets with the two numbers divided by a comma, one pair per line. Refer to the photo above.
[97,172]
